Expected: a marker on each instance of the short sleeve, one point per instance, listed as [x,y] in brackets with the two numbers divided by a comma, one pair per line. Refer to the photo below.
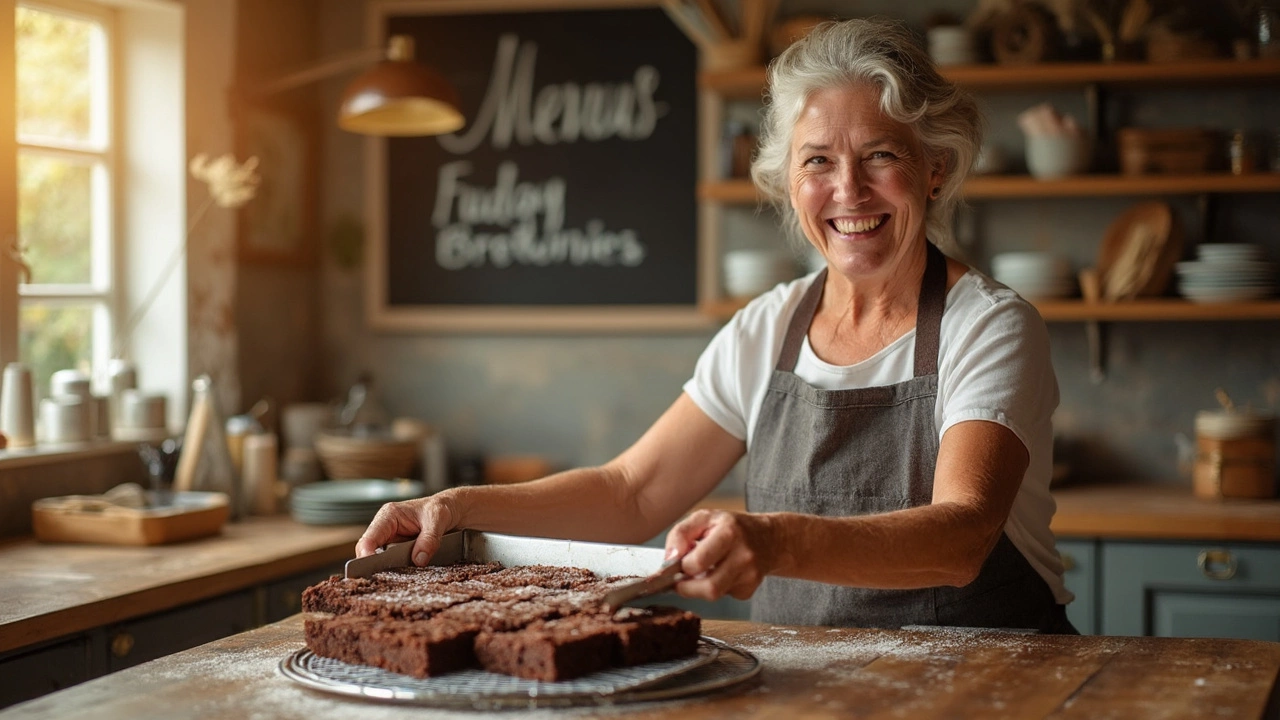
[999,369]
[714,387]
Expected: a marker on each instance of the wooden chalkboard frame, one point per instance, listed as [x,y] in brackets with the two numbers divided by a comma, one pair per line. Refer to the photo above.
[382,315]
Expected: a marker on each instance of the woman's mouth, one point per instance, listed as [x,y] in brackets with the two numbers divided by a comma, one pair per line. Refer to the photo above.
[850,226]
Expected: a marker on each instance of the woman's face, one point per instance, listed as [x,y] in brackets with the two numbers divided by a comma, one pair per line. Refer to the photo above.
[859,181]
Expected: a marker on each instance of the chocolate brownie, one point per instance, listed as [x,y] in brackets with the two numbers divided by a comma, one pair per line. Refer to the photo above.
[537,622]
[549,650]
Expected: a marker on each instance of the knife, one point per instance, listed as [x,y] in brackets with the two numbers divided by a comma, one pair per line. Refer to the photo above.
[395,555]
[666,576]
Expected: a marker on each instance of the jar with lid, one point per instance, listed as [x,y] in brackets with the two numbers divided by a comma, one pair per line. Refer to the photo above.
[1240,151]
[1235,455]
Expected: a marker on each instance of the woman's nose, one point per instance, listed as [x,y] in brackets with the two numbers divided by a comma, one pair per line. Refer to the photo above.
[850,186]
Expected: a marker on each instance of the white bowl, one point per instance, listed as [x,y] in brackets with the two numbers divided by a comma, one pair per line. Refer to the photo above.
[1056,156]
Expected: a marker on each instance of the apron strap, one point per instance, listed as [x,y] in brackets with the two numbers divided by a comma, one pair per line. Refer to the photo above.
[933,299]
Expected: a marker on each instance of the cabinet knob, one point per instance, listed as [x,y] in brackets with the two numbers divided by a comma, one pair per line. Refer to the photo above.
[1217,564]
[1068,562]
[121,644]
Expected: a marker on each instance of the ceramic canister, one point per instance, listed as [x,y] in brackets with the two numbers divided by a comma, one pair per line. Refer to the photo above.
[1235,455]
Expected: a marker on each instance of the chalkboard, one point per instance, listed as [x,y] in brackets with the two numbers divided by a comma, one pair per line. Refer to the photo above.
[568,199]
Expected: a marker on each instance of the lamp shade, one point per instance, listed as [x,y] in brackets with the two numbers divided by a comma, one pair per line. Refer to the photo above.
[399,97]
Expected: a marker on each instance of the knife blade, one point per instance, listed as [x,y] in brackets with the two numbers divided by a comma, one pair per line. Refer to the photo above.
[663,579]
[395,555]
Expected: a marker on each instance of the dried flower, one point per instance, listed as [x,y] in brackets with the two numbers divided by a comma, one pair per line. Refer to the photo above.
[230,183]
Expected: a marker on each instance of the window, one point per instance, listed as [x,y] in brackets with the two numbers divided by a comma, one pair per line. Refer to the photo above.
[65,183]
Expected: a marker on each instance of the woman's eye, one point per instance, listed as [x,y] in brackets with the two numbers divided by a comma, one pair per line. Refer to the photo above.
[816,160]
[882,155]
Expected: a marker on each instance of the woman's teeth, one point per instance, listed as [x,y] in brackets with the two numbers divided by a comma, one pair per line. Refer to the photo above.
[845,226]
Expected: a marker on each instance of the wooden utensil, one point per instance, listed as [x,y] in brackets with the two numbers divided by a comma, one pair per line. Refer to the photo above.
[1138,252]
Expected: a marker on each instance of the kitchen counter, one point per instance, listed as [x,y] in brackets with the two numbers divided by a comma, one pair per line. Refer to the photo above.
[52,590]
[809,672]
[1146,512]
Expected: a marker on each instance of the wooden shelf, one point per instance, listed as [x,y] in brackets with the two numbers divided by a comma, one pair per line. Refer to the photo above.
[1015,186]
[743,192]
[749,82]
[1156,310]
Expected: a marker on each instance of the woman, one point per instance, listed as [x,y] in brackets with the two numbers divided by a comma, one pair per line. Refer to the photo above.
[894,408]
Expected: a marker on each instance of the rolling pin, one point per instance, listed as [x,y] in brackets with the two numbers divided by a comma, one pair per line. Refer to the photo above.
[193,439]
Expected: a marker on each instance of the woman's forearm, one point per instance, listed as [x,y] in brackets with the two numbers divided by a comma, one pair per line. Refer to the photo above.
[595,504]
[939,544]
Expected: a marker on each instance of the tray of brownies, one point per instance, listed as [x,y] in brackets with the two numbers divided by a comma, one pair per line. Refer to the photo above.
[506,621]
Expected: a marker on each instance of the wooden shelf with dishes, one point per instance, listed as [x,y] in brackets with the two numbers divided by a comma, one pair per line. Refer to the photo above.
[1145,310]
[747,83]
[742,192]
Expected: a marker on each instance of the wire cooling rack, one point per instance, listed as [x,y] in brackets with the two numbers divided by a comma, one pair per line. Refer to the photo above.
[715,665]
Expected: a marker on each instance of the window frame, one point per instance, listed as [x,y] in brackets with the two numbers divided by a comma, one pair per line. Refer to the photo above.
[100,153]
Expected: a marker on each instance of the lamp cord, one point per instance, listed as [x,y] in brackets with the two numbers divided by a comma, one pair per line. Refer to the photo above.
[122,337]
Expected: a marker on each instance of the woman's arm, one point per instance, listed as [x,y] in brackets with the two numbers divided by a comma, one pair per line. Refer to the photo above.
[979,469]
[629,499]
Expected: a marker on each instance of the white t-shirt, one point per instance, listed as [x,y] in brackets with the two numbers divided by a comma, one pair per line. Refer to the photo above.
[993,364]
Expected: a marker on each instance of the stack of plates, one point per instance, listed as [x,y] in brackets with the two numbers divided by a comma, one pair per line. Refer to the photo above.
[1034,274]
[348,502]
[1227,272]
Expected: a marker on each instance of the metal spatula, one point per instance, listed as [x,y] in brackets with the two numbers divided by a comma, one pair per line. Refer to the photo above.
[395,555]
[666,576]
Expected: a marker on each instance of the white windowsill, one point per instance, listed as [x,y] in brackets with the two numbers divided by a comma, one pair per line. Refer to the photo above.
[48,454]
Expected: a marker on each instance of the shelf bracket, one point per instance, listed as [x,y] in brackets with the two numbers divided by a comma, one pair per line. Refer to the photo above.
[1095,338]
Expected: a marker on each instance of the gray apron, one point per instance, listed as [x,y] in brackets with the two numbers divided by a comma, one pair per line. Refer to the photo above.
[872,450]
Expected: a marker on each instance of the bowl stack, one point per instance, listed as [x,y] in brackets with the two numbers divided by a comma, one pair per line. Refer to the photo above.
[1227,272]
[1034,275]
[350,502]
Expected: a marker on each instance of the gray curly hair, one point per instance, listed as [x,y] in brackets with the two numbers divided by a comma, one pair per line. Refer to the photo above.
[945,119]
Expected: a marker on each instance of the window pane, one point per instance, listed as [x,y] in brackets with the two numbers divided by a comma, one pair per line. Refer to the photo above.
[56,72]
[55,337]
[55,204]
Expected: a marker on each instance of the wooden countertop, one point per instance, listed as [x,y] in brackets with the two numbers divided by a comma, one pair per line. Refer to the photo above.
[808,672]
[1142,512]
[51,590]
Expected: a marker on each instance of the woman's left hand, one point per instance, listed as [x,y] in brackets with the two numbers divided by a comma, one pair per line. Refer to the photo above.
[725,553]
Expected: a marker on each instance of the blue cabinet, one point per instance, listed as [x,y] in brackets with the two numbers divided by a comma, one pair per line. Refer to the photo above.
[1190,590]
[1080,572]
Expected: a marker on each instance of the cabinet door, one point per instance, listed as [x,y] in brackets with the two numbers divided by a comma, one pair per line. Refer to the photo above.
[1177,614]
[1080,567]
[31,673]
[137,641]
[284,597]
[1190,590]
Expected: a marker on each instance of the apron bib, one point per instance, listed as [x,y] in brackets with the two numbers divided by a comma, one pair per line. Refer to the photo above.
[839,453]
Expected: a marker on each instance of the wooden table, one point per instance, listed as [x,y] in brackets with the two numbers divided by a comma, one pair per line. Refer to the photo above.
[51,590]
[808,673]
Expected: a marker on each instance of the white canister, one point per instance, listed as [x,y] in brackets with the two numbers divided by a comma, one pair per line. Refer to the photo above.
[70,382]
[64,419]
[17,406]
[141,410]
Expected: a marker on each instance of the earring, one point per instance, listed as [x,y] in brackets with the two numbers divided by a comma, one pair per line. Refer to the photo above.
[934,193]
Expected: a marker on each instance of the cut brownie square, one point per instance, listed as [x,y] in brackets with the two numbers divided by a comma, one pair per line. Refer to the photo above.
[420,649]
[654,634]
[337,637]
[550,650]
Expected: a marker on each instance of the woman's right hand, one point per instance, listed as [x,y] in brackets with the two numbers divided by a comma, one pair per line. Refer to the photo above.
[426,519]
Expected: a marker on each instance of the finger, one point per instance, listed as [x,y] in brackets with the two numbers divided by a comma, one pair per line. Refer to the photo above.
[392,522]
[685,534]
[712,548]
[434,523]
